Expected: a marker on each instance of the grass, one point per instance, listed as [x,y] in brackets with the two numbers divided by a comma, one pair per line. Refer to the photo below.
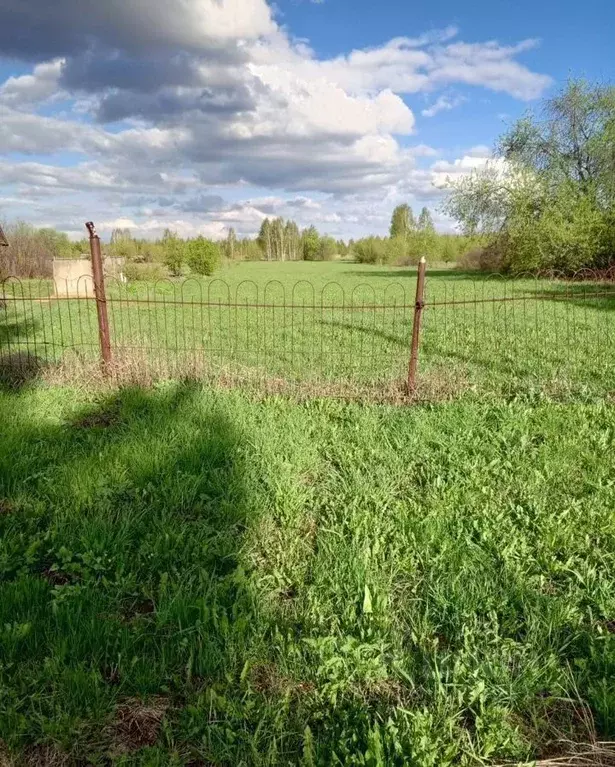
[191,577]
[340,322]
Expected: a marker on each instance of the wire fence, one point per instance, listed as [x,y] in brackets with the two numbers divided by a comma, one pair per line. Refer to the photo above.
[483,333]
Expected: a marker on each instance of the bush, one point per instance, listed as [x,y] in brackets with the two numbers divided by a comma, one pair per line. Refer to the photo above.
[202,256]
[310,244]
[136,272]
[174,253]
[328,249]
[370,250]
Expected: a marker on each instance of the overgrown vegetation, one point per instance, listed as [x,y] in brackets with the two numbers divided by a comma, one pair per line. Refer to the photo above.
[410,239]
[189,577]
[548,199]
[32,250]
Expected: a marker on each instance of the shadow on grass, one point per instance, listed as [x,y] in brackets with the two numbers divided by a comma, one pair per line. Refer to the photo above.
[18,366]
[395,272]
[372,331]
[589,295]
[120,579]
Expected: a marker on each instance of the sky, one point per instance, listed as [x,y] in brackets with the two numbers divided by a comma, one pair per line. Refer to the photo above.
[201,115]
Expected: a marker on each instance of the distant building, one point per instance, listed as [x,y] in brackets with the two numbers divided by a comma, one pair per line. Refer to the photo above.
[3,240]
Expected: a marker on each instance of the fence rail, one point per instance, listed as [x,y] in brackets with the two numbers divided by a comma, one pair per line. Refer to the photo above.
[485,333]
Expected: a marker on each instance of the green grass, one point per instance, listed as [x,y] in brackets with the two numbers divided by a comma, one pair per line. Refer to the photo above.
[194,577]
[341,322]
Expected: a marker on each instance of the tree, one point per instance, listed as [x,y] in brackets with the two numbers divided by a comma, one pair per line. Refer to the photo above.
[122,244]
[264,238]
[292,237]
[310,244]
[231,243]
[548,201]
[425,235]
[402,221]
[425,222]
[173,252]
[328,248]
[202,256]
[277,239]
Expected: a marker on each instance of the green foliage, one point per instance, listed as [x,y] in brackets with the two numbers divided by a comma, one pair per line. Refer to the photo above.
[552,204]
[122,245]
[328,248]
[174,252]
[239,596]
[425,222]
[310,244]
[202,256]
[144,272]
[371,250]
[402,221]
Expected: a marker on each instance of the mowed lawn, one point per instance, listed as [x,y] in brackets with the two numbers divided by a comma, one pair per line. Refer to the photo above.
[191,577]
[339,322]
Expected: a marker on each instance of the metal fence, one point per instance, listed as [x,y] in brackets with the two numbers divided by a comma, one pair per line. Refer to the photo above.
[479,333]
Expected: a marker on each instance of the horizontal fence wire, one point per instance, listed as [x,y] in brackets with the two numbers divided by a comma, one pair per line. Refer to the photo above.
[483,332]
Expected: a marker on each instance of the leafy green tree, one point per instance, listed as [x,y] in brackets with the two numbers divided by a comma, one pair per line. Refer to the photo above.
[293,240]
[402,221]
[310,244]
[264,238]
[202,255]
[549,200]
[230,244]
[425,221]
[328,248]
[174,252]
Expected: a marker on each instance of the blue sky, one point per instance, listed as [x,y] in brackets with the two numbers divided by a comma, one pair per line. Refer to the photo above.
[200,115]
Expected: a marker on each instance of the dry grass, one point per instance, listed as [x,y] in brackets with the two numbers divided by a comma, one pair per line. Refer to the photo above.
[137,724]
[139,369]
[598,754]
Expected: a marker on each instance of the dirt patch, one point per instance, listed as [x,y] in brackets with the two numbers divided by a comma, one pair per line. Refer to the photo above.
[267,680]
[6,508]
[138,608]
[99,419]
[137,724]
[56,577]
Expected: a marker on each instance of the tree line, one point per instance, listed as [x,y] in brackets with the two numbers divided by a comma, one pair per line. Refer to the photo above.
[32,250]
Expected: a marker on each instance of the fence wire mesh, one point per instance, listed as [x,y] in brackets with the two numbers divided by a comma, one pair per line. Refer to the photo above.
[486,333]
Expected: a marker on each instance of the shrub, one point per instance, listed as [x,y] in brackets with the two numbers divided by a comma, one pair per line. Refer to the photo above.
[370,250]
[144,272]
[174,251]
[310,244]
[202,256]
[328,249]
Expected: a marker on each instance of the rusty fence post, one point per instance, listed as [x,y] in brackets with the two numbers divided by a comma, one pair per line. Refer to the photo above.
[101,299]
[419,303]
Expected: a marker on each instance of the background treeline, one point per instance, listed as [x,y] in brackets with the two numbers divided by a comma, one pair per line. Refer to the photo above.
[548,200]
[409,239]
[31,250]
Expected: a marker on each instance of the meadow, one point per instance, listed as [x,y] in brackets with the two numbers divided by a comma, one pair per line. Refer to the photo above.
[192,576]
[337,323]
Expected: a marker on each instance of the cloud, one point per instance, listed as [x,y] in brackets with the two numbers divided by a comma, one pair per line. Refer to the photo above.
[444,172]
[39,29]
[443,104]
[37,87]
[167,104]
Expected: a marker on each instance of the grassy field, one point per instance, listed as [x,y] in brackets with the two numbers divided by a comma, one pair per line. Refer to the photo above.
[340,322]
[190,577]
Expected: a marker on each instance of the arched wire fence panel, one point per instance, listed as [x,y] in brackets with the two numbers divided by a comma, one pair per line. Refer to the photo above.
[509,333]
[487,333]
